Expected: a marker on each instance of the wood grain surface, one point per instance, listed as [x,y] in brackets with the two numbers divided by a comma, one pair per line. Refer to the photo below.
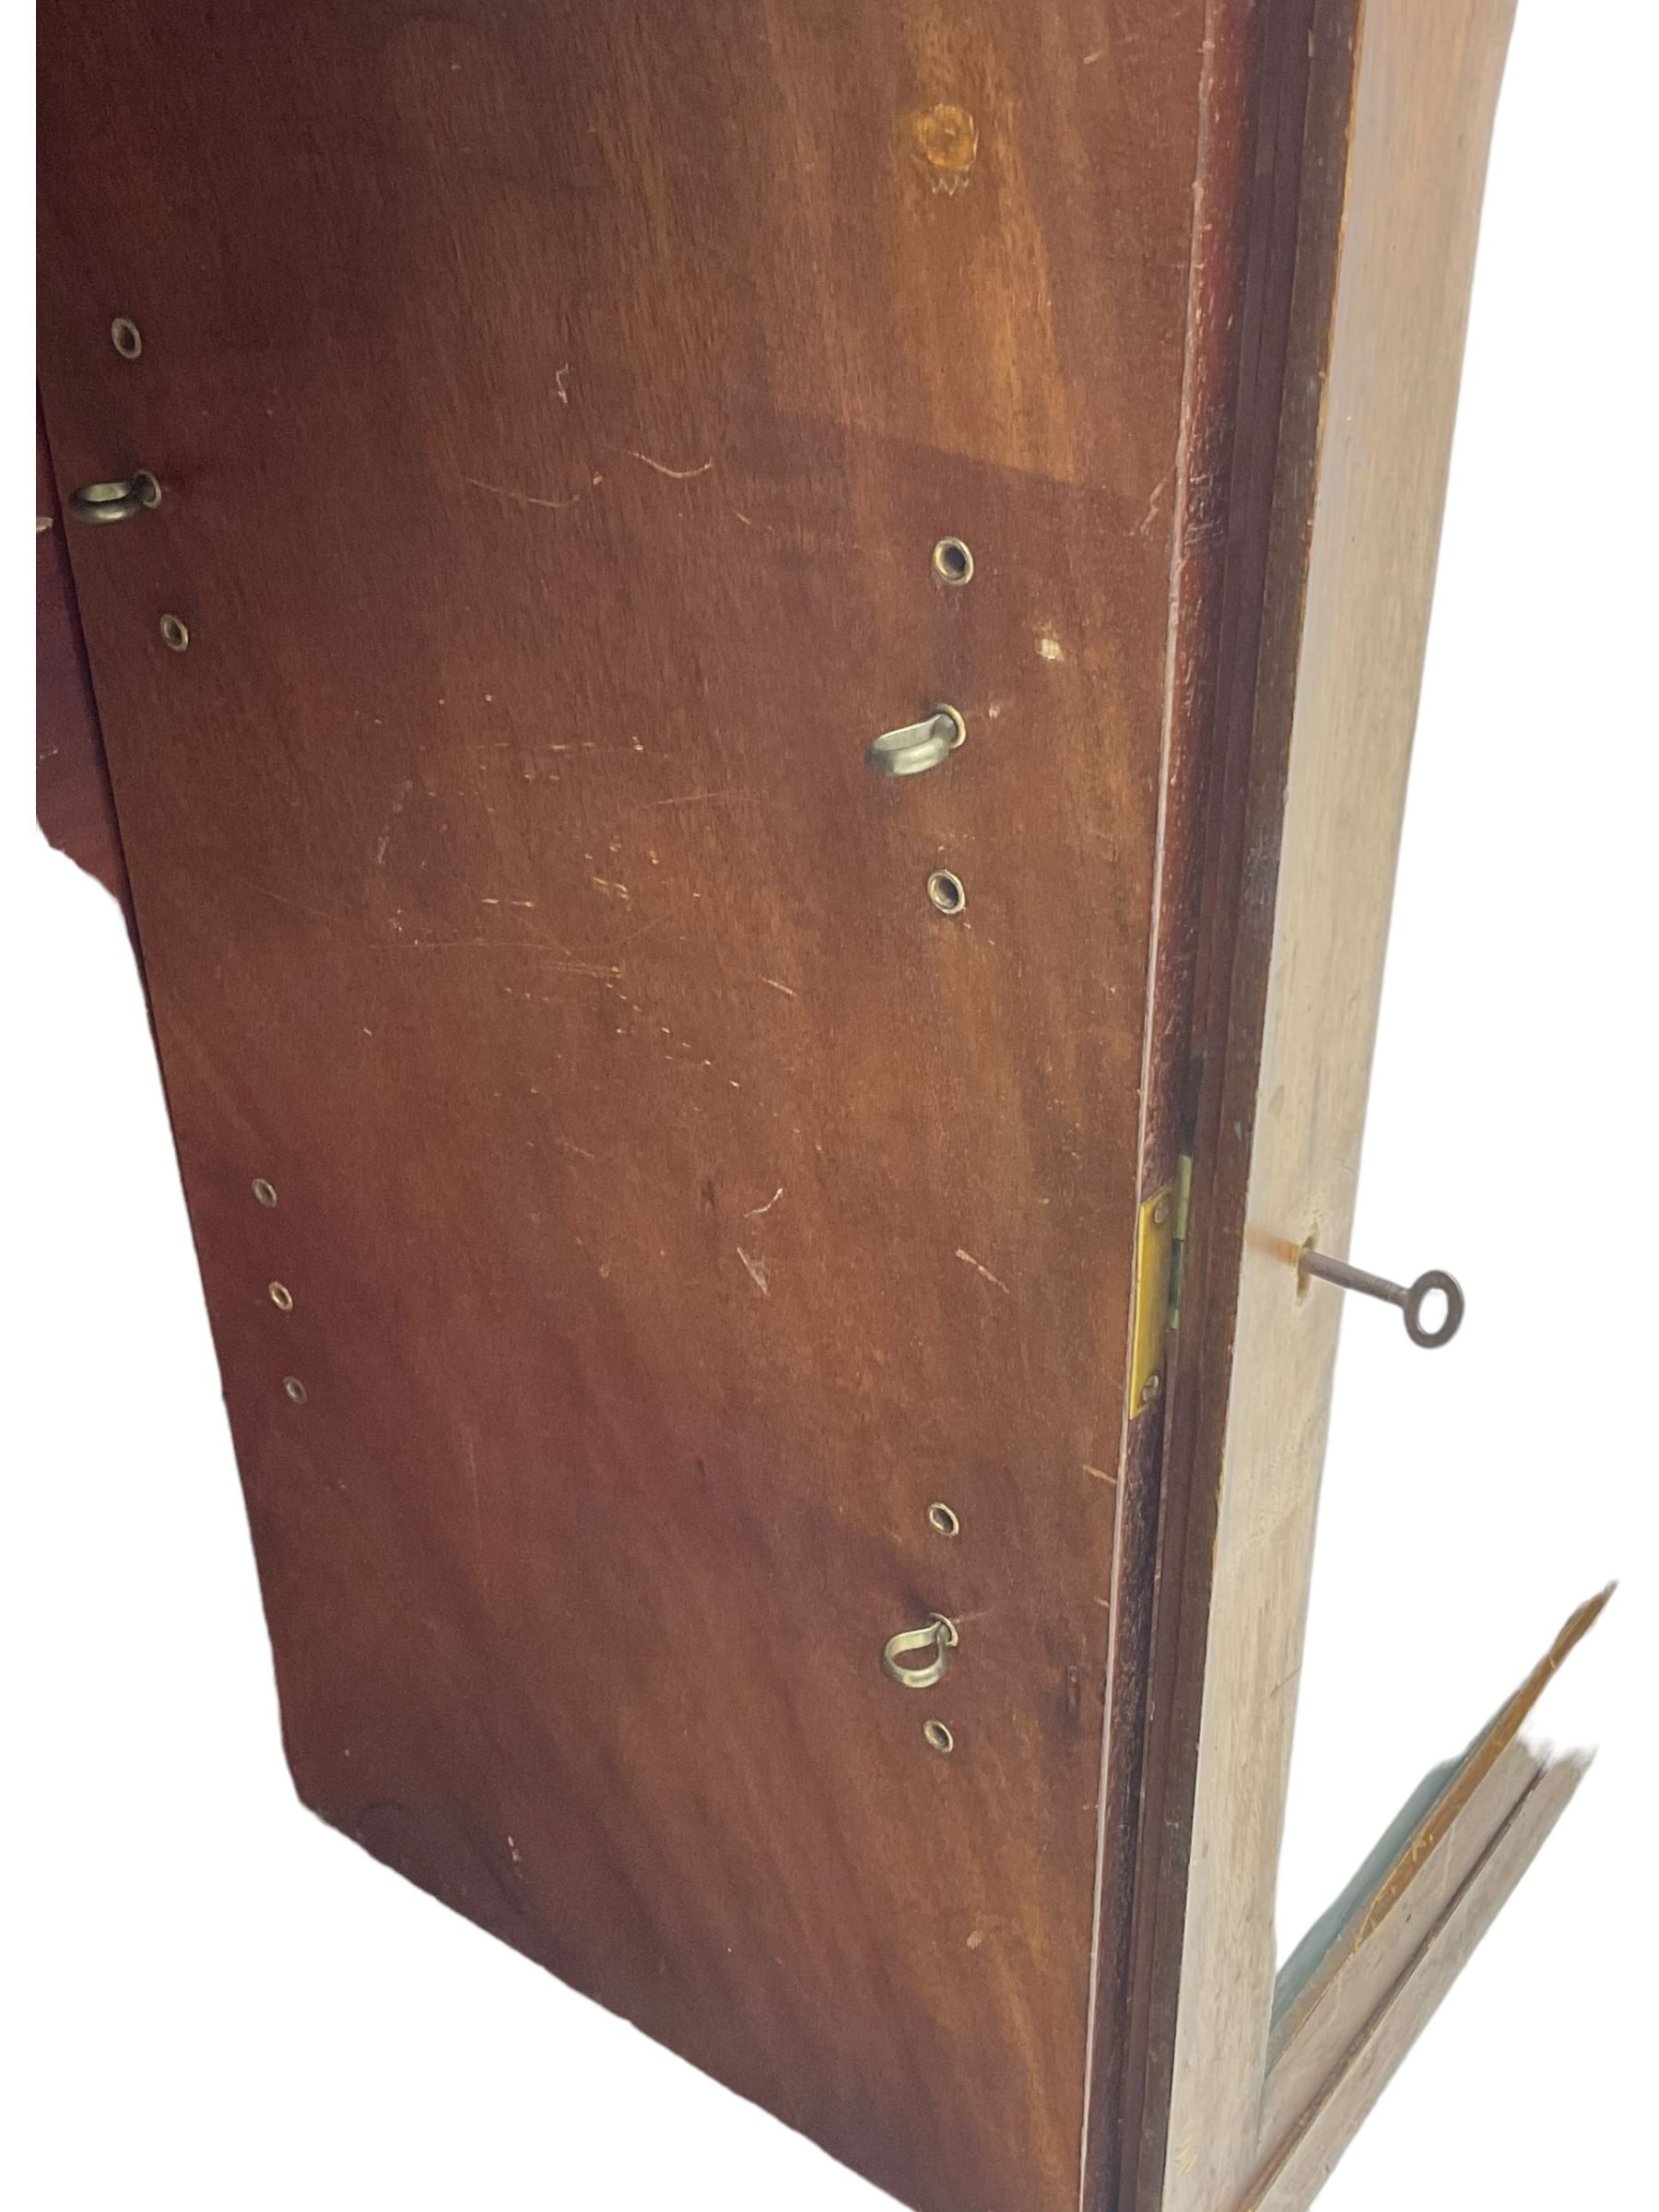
[73,799]
[625,1204]
[556,408]
[1393,161]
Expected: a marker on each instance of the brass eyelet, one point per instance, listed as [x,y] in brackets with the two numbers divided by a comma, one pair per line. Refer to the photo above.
[946,891]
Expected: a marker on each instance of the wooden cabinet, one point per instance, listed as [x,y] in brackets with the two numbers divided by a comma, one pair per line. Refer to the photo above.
[758,1295]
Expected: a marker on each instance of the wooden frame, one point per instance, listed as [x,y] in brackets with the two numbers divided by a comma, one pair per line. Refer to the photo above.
[1244,2084]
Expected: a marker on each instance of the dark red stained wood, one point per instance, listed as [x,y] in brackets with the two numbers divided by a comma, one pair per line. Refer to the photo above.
[556,408]
[73,799]
[1299,119]
[1255,93]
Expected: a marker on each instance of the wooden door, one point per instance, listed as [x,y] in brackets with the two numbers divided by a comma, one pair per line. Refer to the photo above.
[627,1203]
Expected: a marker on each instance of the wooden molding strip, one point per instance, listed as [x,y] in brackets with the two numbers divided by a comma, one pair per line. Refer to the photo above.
[1353,1972]
[1369,1944]
[1501,1732]
[1474,1797]
[1300,2168]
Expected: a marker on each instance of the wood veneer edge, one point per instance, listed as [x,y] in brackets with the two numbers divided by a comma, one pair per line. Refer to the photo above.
[1218,335]
[1266,498]
[1242,885]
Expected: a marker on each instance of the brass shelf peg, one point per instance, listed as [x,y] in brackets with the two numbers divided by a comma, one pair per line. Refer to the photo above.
[1410,1297]
[940,1637]
[117,501]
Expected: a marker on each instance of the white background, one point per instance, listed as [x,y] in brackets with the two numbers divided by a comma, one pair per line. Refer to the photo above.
[219,2003]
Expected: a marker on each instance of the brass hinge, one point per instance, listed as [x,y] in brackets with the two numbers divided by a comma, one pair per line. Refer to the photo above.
[1159,1264]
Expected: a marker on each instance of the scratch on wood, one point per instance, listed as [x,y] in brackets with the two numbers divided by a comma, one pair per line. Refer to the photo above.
[693,798]
[524,498]
[478,1510]
[773,983]
[756,1270]
[496,944]
[484,1576]
[316,912]
[645,929]
[980,1269]
[755,1211]
[680,476]
[558,385]
[1100,1473]
[1153,505]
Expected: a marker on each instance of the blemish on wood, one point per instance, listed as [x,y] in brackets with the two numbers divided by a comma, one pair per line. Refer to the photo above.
[947,142]
[979,1267]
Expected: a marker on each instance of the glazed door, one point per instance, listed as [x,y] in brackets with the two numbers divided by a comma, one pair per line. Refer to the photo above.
[665,1190]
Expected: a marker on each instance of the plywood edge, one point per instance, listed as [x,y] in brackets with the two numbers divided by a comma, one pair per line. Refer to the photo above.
[1300,2168]
[1425,1853]
[1313,2000]
[1500,1732]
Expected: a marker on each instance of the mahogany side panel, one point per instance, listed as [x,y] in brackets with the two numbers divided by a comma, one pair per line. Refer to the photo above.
[557,408]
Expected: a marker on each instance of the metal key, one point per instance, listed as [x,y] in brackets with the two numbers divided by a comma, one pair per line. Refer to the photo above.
[1408,1296]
